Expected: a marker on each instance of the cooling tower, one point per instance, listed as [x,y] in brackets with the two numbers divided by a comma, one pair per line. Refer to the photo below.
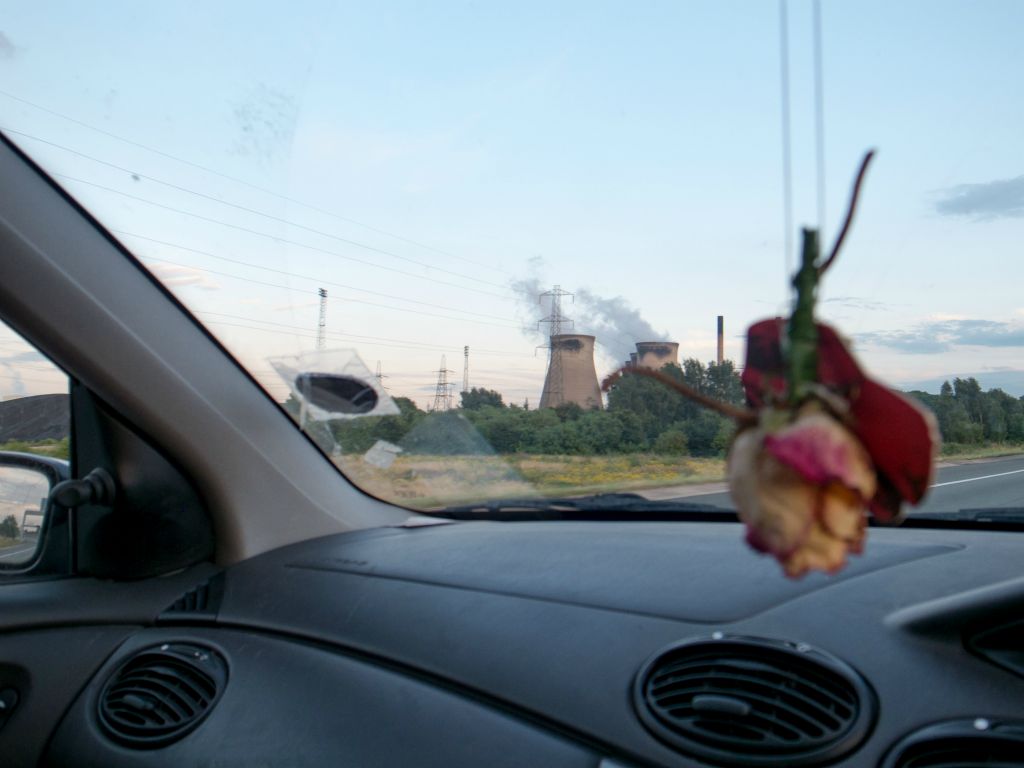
[655,354]
[571,376]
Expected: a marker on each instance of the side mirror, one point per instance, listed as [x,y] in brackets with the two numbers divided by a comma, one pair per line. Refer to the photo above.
[25,484]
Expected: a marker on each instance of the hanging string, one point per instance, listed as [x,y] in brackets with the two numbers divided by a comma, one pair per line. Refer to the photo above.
[787,161]
[819,114]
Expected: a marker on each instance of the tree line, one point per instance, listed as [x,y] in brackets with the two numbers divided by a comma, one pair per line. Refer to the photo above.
[969,416]
[642,416]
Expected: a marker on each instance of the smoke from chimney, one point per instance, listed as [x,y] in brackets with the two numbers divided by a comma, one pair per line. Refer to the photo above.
[613,321]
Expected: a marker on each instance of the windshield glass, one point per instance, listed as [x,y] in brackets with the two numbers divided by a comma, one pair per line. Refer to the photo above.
[471,213]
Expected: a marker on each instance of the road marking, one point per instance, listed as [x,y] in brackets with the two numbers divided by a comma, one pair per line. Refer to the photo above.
[983,477]
[21,551]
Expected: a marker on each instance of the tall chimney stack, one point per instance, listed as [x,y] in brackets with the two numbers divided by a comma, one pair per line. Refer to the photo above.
[721,339]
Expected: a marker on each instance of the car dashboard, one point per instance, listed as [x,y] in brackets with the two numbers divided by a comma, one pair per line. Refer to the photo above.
[545,643]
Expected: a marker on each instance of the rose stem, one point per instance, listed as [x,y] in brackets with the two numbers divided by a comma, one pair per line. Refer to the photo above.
[854,195]
[743,416]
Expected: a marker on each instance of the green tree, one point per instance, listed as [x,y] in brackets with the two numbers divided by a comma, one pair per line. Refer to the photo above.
[568,411]
[722,382]
[478,397]
[9,528]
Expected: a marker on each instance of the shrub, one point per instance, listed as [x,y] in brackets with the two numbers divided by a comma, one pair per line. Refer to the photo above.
[671,441]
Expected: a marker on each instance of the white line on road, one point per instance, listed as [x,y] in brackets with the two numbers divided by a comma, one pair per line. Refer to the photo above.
[21,551]
[983,477]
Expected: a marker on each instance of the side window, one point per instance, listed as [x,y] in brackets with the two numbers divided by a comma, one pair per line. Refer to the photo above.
[34,434]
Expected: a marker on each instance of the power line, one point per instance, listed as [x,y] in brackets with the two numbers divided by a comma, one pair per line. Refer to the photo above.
[403,343]
[242,182]
[289,274]
[787,162]
[275,238]
[252,211]
[819,115]
[300,290]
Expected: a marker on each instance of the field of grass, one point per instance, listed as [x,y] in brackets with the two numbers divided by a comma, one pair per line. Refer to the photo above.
[961,452]
[58,449]
[432,481]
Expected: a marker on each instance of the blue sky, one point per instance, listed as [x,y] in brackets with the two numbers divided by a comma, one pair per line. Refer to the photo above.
[418,158]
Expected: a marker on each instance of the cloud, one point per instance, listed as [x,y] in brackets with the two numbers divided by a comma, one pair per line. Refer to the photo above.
[937,336]
[11,384]
[857,302]
[176,276]
[26,356]
[1002,198]
[8,50]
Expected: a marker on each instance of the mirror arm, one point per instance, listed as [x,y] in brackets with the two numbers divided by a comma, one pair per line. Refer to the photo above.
[97,487]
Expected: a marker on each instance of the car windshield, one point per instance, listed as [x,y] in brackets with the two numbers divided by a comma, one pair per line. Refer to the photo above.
[430,230]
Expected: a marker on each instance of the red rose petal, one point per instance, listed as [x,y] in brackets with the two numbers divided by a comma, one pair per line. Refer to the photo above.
[897,433]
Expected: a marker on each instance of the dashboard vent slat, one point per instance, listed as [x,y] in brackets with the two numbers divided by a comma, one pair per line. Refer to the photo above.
[772,703]
[160,694]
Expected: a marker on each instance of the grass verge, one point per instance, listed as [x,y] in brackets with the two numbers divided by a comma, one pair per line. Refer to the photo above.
[961,452]
[432,481]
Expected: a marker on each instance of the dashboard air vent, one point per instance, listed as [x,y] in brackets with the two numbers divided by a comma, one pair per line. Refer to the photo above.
[161,693]
[980,742]
[747,701]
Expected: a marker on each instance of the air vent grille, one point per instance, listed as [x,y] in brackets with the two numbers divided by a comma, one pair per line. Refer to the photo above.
[743,701]
[980,742]
[161,694]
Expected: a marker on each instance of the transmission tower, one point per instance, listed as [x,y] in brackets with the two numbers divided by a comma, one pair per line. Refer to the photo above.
[465,370]
[443,392]
[557,324]
[380,376]
[321,326]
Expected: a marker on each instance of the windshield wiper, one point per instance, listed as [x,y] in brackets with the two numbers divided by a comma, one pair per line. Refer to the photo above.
[997,515]
[601,506]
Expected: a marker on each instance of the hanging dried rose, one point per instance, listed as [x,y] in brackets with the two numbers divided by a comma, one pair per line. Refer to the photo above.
[901,436]
[822,444]
[802,489]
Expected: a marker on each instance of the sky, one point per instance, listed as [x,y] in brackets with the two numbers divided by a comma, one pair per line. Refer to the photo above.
[435,165]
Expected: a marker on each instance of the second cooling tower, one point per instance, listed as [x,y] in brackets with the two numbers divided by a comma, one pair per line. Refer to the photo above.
[571,376]
[655,354]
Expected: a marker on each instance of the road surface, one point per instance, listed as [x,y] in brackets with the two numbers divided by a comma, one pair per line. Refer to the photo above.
[18,553]
[972,485]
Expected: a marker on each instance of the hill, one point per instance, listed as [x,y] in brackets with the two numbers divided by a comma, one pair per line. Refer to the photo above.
[38,417]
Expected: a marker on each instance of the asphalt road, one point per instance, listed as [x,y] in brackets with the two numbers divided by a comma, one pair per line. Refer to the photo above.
[974,485]
[18,553]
